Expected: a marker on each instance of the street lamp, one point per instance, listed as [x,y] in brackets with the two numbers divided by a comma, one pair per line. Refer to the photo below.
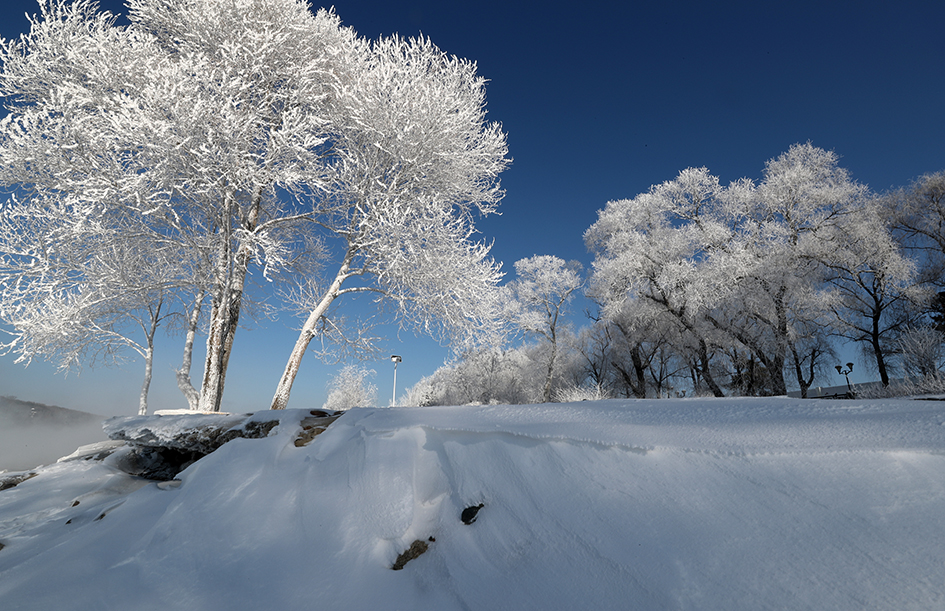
[394,359]
[846,374]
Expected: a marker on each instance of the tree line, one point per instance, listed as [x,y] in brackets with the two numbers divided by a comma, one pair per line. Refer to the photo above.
[156,169]
[739,289]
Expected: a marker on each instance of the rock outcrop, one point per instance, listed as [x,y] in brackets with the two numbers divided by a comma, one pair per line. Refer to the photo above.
[159,447]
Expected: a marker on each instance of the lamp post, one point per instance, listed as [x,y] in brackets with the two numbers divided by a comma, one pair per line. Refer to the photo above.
[846,374]
[394,359]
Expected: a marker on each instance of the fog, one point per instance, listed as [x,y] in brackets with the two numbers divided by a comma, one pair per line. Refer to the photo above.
[32,434]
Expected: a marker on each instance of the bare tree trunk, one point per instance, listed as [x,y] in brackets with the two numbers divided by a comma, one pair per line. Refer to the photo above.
[146,384]
[776,369]
[210,390]
[183,374]
[639,370]
[704,371]
[224,317]
[149,359]
[210,384]
[281,398]
[549,376]
[878,348]
[798,372]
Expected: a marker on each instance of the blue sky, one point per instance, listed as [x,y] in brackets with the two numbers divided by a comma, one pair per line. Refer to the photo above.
[599,102]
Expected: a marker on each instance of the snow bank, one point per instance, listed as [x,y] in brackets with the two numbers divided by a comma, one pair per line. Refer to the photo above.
[689,504]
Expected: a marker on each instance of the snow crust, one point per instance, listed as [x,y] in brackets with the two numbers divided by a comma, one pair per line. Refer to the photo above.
[670,504]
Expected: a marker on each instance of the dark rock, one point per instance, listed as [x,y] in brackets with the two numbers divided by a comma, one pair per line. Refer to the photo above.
[9,481]
[155,463]
[469,514]
[200,433]
[159,447]
[416,548]
[314,425]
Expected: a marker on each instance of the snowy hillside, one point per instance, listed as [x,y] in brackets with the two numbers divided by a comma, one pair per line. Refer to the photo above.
[674,504]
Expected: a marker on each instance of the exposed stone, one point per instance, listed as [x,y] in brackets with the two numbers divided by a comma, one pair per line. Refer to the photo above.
[159,447]
[9,481]
[155,463]
[94,451]
[202,433]
[470,513]
[416,548]
[314,425]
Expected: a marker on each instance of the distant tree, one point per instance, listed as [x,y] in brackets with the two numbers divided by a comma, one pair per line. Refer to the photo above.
[595,343]
[655,255]
[917,216]
[538,299]
[877,293]
[641,356]
[483,376]
[743,264]
[923,351]
[796,222]
[350,388]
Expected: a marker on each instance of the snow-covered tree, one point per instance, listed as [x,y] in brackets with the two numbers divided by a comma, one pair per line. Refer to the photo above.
[190,120]
[482,376]
[86,292]
[416,161]
[877,291]
[794,223]
[350,388]
[235,129]
[923,351]
[538,298]
[656,255]
[739,265]
[917,216]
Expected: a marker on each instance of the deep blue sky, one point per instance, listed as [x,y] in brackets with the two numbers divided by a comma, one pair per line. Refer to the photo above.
[600,101]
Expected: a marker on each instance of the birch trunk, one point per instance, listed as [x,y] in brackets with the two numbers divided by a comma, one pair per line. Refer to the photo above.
[183,374]
[210,388]
[281,398]
[224,317]
[146,384]
[149,360]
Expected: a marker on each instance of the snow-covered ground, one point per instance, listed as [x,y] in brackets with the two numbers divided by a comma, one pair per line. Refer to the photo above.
[673,504]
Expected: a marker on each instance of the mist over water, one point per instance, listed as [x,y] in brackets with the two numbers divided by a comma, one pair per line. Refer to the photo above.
[33,434]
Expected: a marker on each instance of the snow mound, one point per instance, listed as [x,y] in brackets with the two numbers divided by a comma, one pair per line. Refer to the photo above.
[689,504]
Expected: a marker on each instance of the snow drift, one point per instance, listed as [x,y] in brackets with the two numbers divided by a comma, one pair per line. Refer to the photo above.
[684,504]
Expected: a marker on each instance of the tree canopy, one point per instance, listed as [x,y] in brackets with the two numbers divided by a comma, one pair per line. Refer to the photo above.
[245,136]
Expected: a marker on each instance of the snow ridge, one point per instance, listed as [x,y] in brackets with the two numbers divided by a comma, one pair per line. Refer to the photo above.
[734,504]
